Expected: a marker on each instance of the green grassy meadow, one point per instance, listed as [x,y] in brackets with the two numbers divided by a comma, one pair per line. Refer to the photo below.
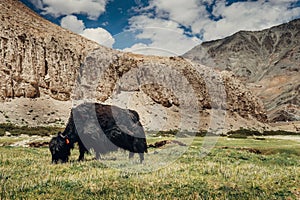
[230,170]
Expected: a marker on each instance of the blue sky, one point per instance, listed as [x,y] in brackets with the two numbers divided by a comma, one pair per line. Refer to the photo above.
[163,27]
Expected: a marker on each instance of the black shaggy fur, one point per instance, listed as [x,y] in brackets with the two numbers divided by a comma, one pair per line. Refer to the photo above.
[60,149]
[103,128]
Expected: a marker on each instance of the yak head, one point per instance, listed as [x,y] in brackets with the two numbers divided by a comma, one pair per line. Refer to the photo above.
[60,148]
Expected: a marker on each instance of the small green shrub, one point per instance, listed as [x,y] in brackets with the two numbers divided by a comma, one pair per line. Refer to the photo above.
[18,130]
[178,133]
[167,133]
[244,132]
[202,133]
[280,132]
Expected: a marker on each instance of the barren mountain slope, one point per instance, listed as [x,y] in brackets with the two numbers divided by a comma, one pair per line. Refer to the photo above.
[44,67]
[268,61]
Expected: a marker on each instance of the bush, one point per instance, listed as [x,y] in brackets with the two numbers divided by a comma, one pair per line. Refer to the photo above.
[178,133]
[167,133]
[243,133]
[18,130]
[280,132]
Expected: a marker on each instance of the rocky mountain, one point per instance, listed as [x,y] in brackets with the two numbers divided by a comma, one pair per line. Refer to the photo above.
[44,69]
[36,56]
[268,61]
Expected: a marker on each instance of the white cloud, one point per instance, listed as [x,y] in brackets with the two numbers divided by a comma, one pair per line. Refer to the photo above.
[247,16]
[92,8]
[98,35]
[37,3]
[182,11]
[164,27]
[162,21]
[238,16]
[141,48]
[71,23]
[166,37]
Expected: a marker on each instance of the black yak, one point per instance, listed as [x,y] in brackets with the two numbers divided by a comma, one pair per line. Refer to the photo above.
[103,128]
[60,148]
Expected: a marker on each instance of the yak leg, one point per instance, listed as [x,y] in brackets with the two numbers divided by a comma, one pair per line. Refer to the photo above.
[54,161]
[141,157]
[81,155]
[82,150]
[65,160]
[131,154]
[98,156]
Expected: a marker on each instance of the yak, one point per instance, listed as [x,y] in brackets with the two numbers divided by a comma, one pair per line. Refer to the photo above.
[101,128]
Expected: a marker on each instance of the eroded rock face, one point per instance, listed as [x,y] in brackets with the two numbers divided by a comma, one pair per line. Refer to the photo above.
[167,81]
[37,56]
[241,99]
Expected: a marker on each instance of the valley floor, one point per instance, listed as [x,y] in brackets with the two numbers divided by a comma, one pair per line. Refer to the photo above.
[252,168]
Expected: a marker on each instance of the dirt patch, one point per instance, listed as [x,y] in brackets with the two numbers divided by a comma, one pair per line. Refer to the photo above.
[43,111]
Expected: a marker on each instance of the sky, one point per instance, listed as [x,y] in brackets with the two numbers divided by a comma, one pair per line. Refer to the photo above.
[163,27]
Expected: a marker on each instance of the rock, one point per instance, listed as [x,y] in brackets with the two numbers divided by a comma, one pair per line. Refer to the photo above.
[171,83]
[8,134]
[42,55]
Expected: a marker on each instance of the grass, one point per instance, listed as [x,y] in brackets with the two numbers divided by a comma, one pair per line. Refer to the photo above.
[224,173]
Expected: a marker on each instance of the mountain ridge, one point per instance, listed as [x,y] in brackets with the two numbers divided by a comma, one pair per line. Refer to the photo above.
[267,61]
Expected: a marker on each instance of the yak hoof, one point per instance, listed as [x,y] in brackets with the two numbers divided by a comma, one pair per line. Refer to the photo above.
[131,154]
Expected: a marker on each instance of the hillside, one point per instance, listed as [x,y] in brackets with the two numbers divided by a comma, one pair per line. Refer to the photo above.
[37,56]
[267,61]
[44,67]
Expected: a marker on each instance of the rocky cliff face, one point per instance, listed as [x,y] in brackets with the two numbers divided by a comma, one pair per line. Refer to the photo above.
[169,82]
[267,61]
[41,62]
[37,56]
